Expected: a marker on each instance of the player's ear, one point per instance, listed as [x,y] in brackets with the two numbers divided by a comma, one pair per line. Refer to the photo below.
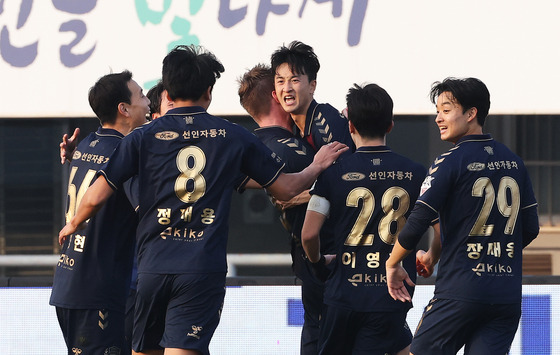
[390,127]
[275,96]
[122,108]
[313,86]
[351,127]
[471,114]
[208,94]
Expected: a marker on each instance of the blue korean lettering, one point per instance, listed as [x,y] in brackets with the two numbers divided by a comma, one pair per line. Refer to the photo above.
[266,7]
[77,7]
[68,58]
[18,56]
[228,17]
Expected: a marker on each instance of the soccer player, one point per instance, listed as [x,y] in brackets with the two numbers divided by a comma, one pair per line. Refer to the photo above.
[159,102]
[488,214]
[187,162]
[295,78]
[92,277]
[368,195]
[275,131]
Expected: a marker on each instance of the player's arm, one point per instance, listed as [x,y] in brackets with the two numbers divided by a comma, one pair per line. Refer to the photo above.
[290,185]
[300,199]
[68,145]
[530,220]
[94,198]
[416,224]
[317,212]
[426,261]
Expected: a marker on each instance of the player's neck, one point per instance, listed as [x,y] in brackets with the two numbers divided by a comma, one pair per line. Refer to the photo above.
[367,142]
[189,103]
[120,125]
[277,119]
[299,120]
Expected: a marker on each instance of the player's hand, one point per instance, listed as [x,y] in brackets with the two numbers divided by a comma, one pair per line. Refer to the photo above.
[327,155]
[424,264]
[320,269]
[67,230]
[68,145]
[396,277]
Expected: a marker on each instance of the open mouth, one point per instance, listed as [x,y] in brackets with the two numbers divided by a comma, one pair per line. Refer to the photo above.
[289,99]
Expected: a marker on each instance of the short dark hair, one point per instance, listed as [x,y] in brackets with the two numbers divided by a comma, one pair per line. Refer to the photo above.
[107,93]
[255,90]
[154,94]
[467,92]
[299,56]
[188,71]
[370,109]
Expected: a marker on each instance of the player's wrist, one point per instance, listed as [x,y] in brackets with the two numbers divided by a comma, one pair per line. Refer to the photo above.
[317,260]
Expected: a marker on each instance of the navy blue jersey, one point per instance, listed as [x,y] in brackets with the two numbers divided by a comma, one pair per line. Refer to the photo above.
[297,155]
[482,191]
[371,193]
[324,124]
[94,269]
[187,164]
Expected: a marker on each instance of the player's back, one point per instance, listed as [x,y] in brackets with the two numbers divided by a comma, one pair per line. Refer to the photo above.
[188,163]
[484,187]
[325,124]
[94,269]
[371,193]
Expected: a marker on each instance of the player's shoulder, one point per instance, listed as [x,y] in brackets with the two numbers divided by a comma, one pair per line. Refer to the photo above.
[328,111]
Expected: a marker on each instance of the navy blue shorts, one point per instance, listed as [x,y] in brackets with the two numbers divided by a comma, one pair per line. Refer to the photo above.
[484,329]
[347,332]
[177,311]
[92,331]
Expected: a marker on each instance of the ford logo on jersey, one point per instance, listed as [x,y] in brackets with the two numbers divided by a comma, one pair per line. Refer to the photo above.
[166,135]
[353,176]
[476,166]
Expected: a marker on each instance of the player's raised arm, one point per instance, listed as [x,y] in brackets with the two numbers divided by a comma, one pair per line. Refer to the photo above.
[290,185]
[94,198]
[68,145]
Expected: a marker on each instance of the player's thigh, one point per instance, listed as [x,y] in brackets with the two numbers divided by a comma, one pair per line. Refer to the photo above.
[337,331]
[92,331]
[495,333]
[382,333]
[445,327]
[194,310]
[152,296]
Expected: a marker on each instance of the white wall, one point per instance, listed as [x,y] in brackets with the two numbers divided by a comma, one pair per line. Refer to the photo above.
[402,45]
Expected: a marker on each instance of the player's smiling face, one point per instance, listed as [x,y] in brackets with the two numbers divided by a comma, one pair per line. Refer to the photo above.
[293,91]
[139,104]
[453,124]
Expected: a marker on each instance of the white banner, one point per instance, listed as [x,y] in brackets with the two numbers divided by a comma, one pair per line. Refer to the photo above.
[52,51]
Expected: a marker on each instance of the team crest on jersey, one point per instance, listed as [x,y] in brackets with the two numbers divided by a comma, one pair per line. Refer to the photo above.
[353,176]
[94,143]
[166,135]
[488,149]
[195,331]
[77,154]
[426,184]
[476,166]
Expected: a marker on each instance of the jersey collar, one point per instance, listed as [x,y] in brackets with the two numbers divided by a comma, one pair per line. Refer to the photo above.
[475,138]
[374,149]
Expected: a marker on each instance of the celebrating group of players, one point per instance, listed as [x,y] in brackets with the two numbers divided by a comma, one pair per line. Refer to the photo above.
[354,209]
